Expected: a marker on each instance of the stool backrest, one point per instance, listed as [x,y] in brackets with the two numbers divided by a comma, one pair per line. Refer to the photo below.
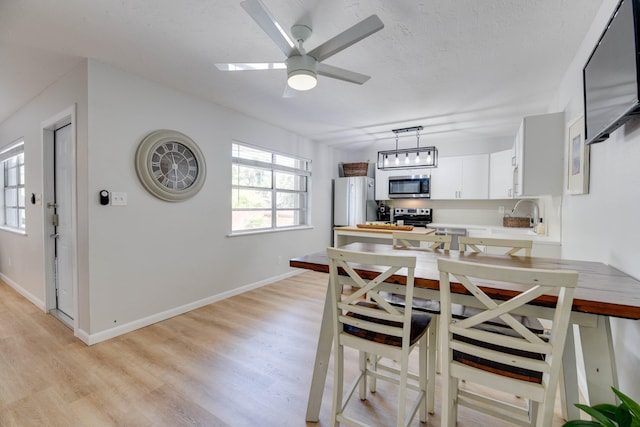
[402,240]
[512,246]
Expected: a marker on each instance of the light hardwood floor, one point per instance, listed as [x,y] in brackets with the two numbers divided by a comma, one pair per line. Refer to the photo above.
[245,361]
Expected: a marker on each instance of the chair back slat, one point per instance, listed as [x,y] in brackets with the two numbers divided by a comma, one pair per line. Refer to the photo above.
[501,357]
[512,246]
[402,240]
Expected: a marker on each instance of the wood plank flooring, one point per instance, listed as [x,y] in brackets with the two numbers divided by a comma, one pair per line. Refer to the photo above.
[245,361]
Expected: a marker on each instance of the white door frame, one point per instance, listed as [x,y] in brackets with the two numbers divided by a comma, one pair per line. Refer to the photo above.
[67,116]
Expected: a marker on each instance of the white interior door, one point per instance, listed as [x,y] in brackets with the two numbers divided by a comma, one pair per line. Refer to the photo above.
[63,235]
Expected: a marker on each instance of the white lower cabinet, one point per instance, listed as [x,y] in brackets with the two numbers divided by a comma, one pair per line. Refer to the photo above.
[461,177]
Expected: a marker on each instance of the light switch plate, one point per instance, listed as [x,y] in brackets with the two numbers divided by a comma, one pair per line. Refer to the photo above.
[118,199]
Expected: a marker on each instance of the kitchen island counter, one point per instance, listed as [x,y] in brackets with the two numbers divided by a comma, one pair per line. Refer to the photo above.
[348,234]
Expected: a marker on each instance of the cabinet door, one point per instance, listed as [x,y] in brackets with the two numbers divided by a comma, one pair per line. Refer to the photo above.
[539,160]
[446,179]
[382,184]
[501,175]
[475,177]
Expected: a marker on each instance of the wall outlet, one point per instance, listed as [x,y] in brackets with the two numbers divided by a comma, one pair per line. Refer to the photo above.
[118,199]
[501,210]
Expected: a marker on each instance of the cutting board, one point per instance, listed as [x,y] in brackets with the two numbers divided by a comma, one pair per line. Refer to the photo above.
[386,227]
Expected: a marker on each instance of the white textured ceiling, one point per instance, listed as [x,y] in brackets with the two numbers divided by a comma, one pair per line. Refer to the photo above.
[463,69]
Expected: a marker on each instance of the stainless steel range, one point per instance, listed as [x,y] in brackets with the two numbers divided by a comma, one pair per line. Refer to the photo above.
[418,217]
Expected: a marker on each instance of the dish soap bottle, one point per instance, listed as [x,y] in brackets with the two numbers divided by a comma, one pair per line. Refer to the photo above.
[540,227]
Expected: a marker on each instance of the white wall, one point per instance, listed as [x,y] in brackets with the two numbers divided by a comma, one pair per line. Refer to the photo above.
[22,256]
[153,256]
[152,259]
[602,225]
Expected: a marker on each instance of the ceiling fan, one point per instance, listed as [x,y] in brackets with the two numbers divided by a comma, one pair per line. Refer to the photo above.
[302,66]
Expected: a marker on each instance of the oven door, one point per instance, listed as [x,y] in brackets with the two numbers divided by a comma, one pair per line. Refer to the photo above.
[407,187]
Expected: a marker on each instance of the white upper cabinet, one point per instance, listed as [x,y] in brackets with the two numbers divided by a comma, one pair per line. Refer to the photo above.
[382,183]
[539,160]
[501,174]
[461,177]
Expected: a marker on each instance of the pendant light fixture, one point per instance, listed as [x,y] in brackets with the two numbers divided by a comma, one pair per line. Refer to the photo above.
[419,157]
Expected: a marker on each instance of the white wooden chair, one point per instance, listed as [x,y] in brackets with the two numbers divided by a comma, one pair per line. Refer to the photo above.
[518,362]
[377,328]
[402,240]
[513,246]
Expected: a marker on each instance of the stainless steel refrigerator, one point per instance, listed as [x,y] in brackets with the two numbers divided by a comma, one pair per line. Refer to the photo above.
[353,201]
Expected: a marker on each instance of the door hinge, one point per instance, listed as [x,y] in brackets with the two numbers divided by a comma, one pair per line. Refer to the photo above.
[55,220]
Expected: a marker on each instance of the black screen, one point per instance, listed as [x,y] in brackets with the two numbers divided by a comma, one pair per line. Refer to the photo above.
[611,75]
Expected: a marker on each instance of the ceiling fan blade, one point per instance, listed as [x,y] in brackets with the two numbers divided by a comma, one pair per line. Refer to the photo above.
[289,92]
[251,66]
[259,12]
[341,74]
[348,37]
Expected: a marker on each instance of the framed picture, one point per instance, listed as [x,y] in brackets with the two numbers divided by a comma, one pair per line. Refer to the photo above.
[578,168]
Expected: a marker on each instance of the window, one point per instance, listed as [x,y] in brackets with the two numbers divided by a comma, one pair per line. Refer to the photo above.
[12,180]
[269,190]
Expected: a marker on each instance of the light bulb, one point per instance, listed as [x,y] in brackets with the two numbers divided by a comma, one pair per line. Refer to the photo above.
[406,159]
[417,157]
[397,161]
[386,159]
[429,159]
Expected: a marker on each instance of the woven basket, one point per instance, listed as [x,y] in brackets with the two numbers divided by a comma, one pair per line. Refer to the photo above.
[516,222]
[355,169]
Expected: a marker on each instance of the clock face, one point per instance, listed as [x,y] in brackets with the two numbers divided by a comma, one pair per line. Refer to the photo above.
[170,165]
[174,166]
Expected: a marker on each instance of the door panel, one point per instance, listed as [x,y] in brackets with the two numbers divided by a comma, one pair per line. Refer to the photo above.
[63,230]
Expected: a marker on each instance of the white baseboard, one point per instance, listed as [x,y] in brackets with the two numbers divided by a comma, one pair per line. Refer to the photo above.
[28,295]
[91,339]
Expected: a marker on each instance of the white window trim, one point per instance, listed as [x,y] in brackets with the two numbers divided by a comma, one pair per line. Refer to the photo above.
[280,168]
[11,150]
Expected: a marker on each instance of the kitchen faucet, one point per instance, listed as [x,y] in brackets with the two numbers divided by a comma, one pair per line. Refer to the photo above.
[535,214]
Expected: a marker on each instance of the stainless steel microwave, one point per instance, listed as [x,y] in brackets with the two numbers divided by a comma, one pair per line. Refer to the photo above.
[409,187]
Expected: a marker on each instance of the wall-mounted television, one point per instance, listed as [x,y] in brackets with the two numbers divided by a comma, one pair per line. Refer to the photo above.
[610,76]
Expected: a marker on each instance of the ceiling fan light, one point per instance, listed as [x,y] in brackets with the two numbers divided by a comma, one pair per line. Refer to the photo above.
[302,80]
[301,72]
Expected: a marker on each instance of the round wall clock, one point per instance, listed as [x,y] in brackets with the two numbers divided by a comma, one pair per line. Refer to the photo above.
[170,165]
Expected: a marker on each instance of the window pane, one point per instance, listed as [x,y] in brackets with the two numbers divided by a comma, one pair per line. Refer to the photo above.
[243,199]
[21,175]
[10,197]
[21,197]
[291,162]
[246,176]
[11,217]
[23,220]
[251,220]
[290,200]
[289,218]
[11,177]
[250,153]
[289,181]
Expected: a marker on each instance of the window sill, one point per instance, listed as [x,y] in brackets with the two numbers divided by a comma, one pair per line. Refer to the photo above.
[279,230]
[14,230]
